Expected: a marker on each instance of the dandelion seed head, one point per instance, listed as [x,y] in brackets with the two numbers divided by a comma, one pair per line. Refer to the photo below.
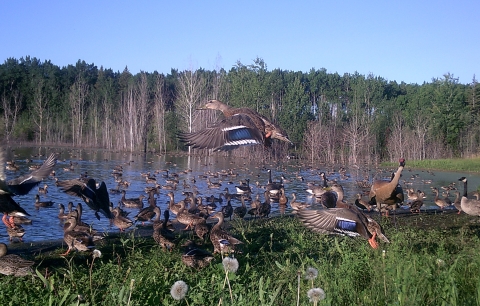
[440,262]
[230,264]
[179,290]
[316,294]
[96,253]
[311,273]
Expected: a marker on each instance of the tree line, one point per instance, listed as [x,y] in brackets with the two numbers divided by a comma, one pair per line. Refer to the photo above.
[349,118]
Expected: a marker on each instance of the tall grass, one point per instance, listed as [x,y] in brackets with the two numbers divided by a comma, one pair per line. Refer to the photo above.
[436,266]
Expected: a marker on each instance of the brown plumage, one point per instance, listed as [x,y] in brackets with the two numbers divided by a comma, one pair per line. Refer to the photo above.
[342,221]
[76,240]
[195,257]
[241,127]
[11,264]
[440,202]
[388,193]
[163,235]
[222,241]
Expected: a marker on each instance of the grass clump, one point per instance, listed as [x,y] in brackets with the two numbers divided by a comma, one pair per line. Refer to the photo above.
[281,264]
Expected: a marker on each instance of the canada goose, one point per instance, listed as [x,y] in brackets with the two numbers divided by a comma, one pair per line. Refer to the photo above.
[388,193]
[244,188]
[469,206]
[319,190]
[272,187]
[342,221]
[241,127]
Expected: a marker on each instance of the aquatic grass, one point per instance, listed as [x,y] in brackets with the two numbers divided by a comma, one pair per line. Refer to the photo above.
[450,164]
[435,265]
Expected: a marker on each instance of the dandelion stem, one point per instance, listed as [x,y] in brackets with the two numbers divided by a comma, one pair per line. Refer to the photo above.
[298,289]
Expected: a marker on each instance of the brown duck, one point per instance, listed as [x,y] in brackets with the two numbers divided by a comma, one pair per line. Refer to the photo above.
[241,127]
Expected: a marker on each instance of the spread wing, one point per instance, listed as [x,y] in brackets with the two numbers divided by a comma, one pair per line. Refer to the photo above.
[23,184]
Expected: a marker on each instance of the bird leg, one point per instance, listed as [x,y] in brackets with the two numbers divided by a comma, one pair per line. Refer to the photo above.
[8,222]
[65,254]
[372,241]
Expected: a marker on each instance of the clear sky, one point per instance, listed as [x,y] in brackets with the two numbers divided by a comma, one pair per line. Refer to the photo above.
[409,40]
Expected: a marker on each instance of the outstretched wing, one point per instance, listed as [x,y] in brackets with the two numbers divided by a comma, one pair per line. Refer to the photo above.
[23,184]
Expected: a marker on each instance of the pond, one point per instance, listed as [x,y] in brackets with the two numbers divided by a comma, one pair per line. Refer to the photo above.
[99,164]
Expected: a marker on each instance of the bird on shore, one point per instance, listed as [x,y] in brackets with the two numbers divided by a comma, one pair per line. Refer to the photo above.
[11,264]
[387,194]
[241,127]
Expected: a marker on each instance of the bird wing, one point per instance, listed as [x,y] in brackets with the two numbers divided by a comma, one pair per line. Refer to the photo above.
[23,184]
[227,134]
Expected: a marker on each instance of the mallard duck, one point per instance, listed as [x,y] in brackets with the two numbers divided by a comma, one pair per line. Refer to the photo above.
[11,264]
[132,202]
[342,221]
[43,190]
[457,203]
[195,257]
[39,203]
[202,229]
[162,235]
[418,203]
[184,217]
[361,203]
[17,231]
[76,240]
[254,205]
[387,194]
[147,213]
[282,200]
[297,205]
[175,208]
[96,198]
[18,220]
[440,202]
[227,210]
[61,212]
[241,127]
[241,211]
[265,208]
[120,221]
[20,186]
[222,241]
[469,206]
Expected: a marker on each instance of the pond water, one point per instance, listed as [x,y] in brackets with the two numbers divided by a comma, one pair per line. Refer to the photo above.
[99,165]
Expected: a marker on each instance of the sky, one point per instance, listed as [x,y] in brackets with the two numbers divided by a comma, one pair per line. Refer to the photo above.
[409,41]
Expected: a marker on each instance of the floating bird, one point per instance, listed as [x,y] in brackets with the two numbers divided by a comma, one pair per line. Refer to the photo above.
[342,221]
[96,198]
[11,264]
[39,203]
[241,127]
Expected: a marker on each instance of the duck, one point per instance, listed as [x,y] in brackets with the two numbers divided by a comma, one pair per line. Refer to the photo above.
[61,212]
[120,221]
[17,231]
[343,221]
[12,264]
[265,208]
[227,210]
[361,203]
[43,190]
[282,200]
[240,127]
[296,205]
[202,229]
[418,203]
[195,257]
[174,208]
[20,186]
[132,202]
[76,240]
[469,206]
[184,217]
[440,202]
[222,241]
[96,198]
[457,202]
[39,203]
[147,213]
[241,211]
[388,193]
[162,235]
[18,220]
[254,205]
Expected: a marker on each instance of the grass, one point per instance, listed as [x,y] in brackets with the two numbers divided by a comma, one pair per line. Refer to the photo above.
[451,164]
[431,260]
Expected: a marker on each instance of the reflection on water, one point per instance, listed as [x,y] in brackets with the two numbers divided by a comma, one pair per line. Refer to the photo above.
[99,165]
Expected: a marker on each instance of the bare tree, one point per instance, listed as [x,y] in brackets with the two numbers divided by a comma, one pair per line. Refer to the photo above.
[159,109]
[40,106]
[78,100]
[396,142]
[141,111]
[11,109]
[357,135]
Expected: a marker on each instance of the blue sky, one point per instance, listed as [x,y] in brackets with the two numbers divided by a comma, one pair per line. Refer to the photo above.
[410,41]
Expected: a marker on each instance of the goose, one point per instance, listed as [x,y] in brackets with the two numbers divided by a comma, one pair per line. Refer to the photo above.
[222,241]
[244,188]
[319,190]
[96,198]
[273,187]
[241,127]
[469,206]
[342,221]
[388,193]
[11,264]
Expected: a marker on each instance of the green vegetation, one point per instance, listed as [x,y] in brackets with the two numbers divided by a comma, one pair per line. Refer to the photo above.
[432,260]
[451,164]
[330,117]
